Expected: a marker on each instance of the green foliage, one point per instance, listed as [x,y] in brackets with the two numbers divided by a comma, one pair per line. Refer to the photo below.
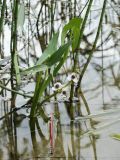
[116,136]
[72,29]
[50,50]
[49,58]
[34,69]
[53,57]
[56,57]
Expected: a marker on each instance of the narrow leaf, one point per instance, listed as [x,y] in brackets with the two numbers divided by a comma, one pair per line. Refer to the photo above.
[52,47]
[73,27]
[34,69]
[56,57]
[21,16]
[116,136]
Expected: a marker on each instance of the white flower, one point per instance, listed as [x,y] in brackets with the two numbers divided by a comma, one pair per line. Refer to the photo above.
[73,77]
[57,86]
[64,94]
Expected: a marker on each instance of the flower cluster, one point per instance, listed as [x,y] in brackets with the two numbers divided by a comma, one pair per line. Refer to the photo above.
[73,77]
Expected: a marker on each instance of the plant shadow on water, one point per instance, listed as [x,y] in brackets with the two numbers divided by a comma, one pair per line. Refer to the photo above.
[63,104]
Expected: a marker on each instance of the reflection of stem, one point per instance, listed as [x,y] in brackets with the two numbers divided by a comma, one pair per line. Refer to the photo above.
[51,130]
[85,102]
[93,142]
[15,138]
[11,136]
[91,123]
[87,107]
[58,142]
[72,139]
[39,129]
[33,134]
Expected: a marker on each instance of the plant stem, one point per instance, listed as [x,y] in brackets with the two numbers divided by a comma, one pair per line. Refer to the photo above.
[14,91]
[13,45]
[80,38]
[2,20]
[54,94]
[2,16]
[94,46]
[81,32]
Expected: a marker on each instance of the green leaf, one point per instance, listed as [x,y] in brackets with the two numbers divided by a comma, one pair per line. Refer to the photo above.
[45,84]
[34,69]
[116,136]
[56,57]
[73,27]
[17,71]
[21,16]
[60,64]
[49,51]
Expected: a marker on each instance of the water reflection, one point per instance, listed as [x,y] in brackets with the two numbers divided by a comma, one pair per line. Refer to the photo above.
[22,137]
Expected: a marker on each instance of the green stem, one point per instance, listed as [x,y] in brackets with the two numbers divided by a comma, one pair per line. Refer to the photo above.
[36,94]
[94,45]
[2,16]
[80,39]
[81,32]
[13,45]
[54,94]
[2,20]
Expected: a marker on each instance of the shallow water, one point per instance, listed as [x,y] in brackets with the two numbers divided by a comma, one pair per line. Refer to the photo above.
[54,133]
[70,139]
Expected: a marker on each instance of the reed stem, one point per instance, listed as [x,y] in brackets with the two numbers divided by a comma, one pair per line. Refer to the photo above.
[94,46]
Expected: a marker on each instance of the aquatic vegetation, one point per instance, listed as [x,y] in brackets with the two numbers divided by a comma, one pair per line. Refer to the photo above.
[116,136]
[59,79]
[57,86]
[73,77]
